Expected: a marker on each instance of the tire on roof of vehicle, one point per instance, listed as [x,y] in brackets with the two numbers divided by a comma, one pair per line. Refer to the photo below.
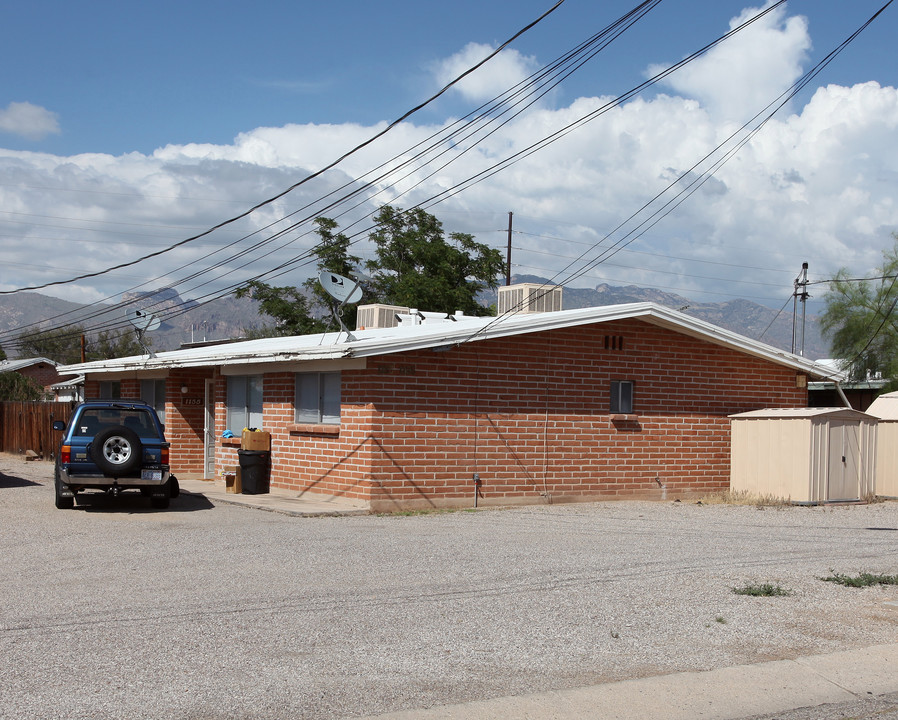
[117,451]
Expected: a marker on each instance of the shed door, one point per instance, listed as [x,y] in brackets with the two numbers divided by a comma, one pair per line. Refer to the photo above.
[844,461]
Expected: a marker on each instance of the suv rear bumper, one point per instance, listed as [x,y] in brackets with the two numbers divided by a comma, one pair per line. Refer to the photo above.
[98,480]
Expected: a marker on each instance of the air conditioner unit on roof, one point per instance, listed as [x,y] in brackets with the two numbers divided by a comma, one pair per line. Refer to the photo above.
[529,298]
[378,316]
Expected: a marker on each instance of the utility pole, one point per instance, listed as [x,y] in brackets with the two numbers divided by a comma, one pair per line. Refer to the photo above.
[508,254]
[800,293]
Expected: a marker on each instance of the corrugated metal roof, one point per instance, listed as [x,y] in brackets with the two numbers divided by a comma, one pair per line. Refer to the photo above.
[885,407]
[19,364]
[382,341]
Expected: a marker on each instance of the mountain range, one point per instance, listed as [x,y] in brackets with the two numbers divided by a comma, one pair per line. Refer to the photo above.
[229,318]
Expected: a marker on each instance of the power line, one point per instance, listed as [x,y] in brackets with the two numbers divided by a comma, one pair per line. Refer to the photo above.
[693,185]
[537,80]
[309,177]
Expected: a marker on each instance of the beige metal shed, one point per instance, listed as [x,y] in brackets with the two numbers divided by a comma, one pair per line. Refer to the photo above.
[885,408]
[805,455]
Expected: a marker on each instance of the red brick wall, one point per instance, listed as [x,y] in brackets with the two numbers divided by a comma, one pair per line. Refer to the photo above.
[43,374]
[184,423]
[530,415]
[185,419]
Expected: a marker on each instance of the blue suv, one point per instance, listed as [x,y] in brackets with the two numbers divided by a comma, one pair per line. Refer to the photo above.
[113,445]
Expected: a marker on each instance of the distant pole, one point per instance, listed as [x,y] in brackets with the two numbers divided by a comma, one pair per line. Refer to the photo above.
[508,254]
[804,302]
[83,350]
[801,293]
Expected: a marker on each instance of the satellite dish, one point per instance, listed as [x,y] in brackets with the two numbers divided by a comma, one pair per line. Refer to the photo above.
[143,321]
[342,289]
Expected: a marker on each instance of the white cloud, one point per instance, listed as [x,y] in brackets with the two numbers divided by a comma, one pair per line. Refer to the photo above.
[28,121]
[816,186]
[505,70]
[739,77]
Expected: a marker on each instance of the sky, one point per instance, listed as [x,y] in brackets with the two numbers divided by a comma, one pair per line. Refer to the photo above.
[126,128]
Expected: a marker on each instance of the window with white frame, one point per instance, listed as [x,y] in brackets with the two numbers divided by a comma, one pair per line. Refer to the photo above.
[317,398]
[152,392]
[622,396]
[244,402]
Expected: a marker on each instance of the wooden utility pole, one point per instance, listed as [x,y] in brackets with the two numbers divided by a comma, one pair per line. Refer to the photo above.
[508,254]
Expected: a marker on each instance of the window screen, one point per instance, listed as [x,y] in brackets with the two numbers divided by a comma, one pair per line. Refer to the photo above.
[244,402]
[152,392]
[317,398]
[622,396]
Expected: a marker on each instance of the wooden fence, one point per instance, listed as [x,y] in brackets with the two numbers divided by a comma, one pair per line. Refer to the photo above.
[29,426]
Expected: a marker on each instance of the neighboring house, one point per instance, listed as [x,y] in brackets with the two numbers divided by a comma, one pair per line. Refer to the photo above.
[858,393]
[71,390]
[607,402]
[39,369]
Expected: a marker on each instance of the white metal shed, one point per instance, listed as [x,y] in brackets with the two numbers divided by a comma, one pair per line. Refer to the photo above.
[805,455]
[885,408]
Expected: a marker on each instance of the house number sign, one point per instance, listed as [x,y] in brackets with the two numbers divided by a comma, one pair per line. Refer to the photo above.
[192,401]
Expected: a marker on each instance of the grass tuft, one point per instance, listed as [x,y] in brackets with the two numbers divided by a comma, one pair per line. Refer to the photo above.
[762,590]
[743,497]
[861,580]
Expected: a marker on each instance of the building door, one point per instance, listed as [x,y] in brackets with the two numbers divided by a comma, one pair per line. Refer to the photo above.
[209,430]
[844,461]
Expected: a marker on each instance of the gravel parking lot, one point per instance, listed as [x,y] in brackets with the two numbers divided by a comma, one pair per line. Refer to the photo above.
[114,610]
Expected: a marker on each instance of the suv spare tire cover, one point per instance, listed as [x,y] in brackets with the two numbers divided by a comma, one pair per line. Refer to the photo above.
[117,451]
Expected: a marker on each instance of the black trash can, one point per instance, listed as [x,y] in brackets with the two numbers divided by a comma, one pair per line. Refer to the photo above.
[255,471]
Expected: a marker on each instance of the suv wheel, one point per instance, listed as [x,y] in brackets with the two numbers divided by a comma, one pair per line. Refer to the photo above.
[117,451]
[62,503]
[160,502]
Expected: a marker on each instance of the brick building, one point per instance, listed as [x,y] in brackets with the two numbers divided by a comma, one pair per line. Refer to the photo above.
[608,402]
[39,369]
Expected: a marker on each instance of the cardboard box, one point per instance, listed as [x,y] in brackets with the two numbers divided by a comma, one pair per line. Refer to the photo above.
[255,440]
[232,482]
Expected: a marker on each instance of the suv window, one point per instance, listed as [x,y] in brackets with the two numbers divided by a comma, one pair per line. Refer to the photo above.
[95,420]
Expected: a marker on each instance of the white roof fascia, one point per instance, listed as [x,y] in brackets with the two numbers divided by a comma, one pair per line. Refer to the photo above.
[219,355]
[19,363]
[383,341]
[804,413]
[538,322]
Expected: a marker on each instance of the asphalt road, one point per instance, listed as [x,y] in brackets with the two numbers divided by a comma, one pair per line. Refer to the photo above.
[114,610]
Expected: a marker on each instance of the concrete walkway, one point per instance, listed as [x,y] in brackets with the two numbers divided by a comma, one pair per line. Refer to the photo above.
[726,694]
[288,502]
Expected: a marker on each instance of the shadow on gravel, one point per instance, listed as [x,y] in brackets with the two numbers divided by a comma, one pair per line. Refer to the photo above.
[134,502]
[11,481]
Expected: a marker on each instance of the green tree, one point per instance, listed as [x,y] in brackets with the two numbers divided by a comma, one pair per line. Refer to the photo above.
[2,354]
[14,386]
[416,267]
[333,255]
[861,323]
[107,345]
[287,305]
[62,344]
[298,313]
